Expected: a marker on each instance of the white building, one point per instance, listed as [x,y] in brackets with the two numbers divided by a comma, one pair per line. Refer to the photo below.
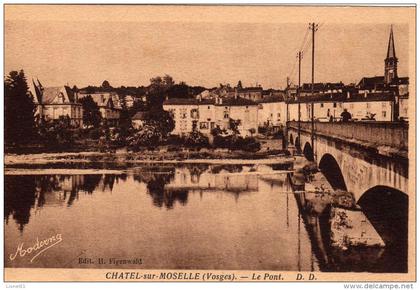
[272,112]
[367,106]
[206,114]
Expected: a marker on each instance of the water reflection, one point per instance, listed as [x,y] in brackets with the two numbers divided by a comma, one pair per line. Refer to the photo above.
[315,211]
[211,214]
[26,192]
[167,185]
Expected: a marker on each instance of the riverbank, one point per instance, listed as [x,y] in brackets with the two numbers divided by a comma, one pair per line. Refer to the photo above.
[124,158]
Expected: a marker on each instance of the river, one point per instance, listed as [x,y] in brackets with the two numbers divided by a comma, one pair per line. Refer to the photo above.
[196,216]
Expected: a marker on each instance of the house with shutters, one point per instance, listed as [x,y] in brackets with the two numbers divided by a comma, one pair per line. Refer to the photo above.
[55,102]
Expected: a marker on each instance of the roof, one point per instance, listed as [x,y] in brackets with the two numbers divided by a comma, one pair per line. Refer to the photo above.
[371,82]
[105,99]
[391,47]
[250,89]
[49,94]
[141,115]
[271,99]
[322,86]
[232,101]
[182,101]
[403,81]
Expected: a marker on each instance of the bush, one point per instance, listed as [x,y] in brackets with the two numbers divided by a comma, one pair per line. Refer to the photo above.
[147,136]
[234,142]
[249,144]
[94,133]
[175,140]
[196,139]
[56,133]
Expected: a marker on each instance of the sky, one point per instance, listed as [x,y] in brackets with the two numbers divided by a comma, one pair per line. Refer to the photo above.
[75,48]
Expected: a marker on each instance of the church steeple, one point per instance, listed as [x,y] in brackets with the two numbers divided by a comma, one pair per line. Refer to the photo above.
[391,61]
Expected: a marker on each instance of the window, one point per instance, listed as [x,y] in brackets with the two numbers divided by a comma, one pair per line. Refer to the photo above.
[367,106]
[208,107]
[278,115]
[204,125]
[194,113]
[322,105]
[226,114]
[384,114]
[183,113]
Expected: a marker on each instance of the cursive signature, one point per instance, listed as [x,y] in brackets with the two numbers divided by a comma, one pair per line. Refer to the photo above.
[37,248]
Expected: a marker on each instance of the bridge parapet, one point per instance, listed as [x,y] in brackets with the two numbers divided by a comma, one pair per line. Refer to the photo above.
[392,134]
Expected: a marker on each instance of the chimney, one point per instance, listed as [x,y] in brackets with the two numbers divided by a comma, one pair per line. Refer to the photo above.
[236,93]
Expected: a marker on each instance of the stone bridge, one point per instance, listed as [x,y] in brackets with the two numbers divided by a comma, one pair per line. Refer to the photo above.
[360,157]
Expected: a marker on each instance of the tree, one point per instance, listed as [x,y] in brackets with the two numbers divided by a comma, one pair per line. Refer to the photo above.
[162,121]
[19,110]
[158,90]
[56,133]
[181,90]
[239,85]
[106,86]
[91,114]
[124,123]
[138,105]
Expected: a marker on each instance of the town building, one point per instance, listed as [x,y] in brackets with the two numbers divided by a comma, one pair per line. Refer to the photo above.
[129,101]
[243,110]
[250,93]
[206,114]
[362,107]
[272,112]
[55,102]
[380,98]
[108,103]
[185,114]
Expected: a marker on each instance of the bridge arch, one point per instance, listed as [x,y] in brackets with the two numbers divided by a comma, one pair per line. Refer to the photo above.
[291,139]
[329,167]
[387,210]
[308,152]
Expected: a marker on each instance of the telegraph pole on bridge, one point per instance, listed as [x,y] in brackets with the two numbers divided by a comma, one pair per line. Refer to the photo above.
[313,27]
[298,95]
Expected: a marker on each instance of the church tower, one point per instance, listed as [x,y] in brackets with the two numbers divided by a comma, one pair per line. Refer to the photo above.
[391,61]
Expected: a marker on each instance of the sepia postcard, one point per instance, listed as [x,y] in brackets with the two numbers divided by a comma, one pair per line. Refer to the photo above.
[209,143]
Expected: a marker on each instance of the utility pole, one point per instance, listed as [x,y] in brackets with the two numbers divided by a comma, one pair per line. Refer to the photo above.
[313,27]
[298,96]
[285,130]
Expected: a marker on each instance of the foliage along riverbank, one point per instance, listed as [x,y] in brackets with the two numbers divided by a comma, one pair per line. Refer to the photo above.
[160,155]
